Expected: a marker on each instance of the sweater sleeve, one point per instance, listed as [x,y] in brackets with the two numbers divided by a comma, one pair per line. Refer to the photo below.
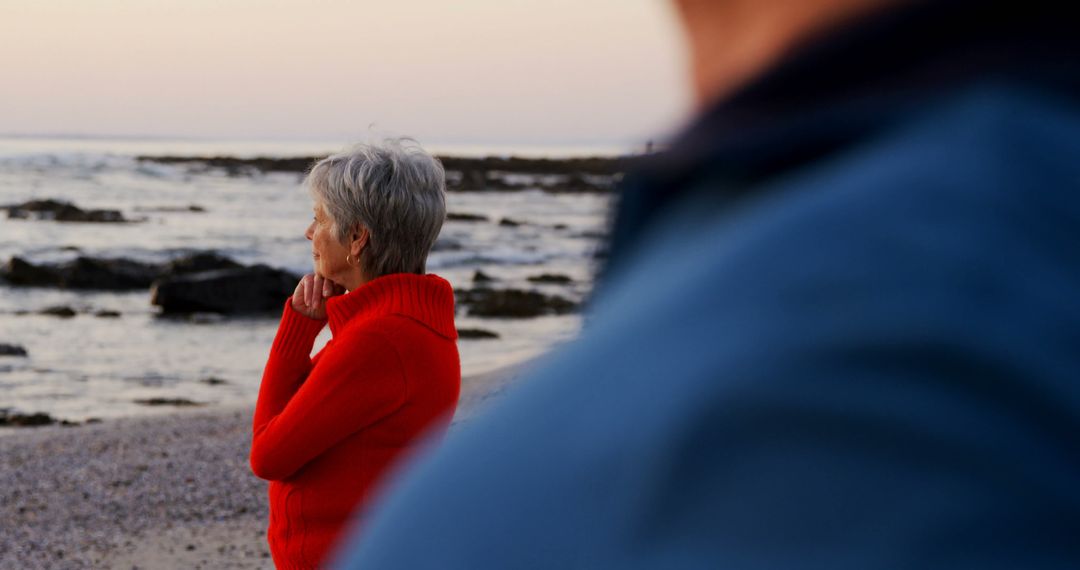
[355,384]
[289,363]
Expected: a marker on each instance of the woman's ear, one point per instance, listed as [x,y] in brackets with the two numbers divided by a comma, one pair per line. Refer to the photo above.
[359,241]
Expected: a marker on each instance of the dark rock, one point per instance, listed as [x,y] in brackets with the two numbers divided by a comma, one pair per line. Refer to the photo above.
[471,181]
[12,350]
[62,212]
[171,209]
[108,274]
[574,175]
[238,166]
[9,419]
[183,402]
[509,222]
[198,263]
[81,273]
[63,312]
[577,183]
[213,381]
[40,207]
[554,278]
[97,216]
[107,314]
[481,277]
[463,217]
[476,334]
[243,290]
[482,302]
[18,271]
[519,165]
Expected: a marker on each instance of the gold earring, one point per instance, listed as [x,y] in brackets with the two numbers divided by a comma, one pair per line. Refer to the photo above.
[348,259]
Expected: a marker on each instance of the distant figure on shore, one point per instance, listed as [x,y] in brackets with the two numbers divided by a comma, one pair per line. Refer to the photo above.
[326,428]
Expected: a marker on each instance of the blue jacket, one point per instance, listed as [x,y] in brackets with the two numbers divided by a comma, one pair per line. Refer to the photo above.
[840,329]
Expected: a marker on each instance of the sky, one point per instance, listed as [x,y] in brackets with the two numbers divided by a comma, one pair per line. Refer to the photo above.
[464,71]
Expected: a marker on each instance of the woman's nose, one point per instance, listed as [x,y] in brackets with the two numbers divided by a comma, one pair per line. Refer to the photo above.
[310,229]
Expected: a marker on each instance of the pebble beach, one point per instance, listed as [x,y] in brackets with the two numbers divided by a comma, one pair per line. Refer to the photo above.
[168,491]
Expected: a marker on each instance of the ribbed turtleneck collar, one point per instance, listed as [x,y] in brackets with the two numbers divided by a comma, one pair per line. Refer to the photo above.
[428,299]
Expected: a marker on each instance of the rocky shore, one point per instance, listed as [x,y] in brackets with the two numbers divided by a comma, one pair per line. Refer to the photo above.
[594,174]
[207,282]
[171,491]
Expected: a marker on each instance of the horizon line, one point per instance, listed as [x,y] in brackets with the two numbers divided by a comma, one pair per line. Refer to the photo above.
[312,139]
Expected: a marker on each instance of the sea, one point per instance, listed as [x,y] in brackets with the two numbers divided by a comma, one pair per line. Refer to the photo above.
[88,367]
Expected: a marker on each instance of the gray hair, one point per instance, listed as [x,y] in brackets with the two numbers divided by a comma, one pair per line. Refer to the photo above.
[394,189]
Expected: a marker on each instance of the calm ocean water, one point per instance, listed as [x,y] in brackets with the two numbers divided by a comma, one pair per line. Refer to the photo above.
[88,366]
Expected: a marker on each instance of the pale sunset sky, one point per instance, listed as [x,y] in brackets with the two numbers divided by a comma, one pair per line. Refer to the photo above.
[466,71]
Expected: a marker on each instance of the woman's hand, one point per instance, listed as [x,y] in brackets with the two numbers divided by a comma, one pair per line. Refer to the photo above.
[309,298]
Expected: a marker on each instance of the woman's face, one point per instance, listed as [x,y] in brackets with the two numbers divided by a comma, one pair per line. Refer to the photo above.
[327,252]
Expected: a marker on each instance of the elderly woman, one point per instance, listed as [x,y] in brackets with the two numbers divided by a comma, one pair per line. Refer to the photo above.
[328,427]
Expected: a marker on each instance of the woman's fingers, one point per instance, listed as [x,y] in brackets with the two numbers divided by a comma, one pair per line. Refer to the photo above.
[309,290]
[299,297]
[298,294]
[317,291]
[312,292]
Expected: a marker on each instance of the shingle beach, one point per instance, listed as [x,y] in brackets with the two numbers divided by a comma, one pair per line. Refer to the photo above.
[168,491]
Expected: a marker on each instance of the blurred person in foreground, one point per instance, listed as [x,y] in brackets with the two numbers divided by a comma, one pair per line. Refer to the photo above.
[840,327]
[327,427]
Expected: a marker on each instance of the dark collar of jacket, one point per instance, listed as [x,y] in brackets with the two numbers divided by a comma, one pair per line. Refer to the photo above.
[843,86]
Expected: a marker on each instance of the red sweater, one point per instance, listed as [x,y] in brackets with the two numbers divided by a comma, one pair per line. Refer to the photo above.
[326,428]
